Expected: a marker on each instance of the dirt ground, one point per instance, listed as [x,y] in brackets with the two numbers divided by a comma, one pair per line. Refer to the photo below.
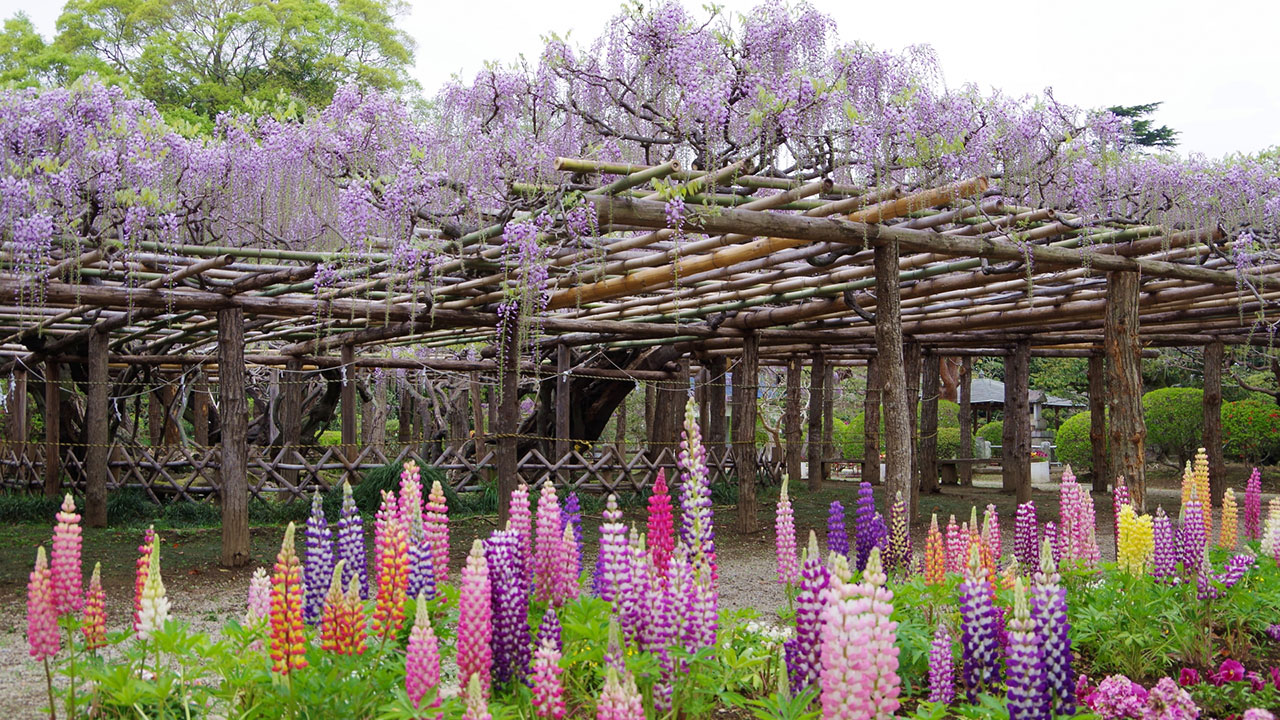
[204,594]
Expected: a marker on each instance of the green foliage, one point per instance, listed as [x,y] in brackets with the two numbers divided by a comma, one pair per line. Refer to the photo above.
[1142,131]
[849,437]
[949,443]
[1073,445]
[1251,430]
[1063,377]
[1175,422]
[992,432]
[18,507]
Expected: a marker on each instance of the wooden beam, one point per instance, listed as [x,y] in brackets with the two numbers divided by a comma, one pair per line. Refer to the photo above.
[817,393]
[871,423]
[52,431]
[744,435]
[233,414]
[929,424]
[97,432]
[1128,431]
[1213,353]
[793,427]
[893,378]
[1098,422]
[1016,453]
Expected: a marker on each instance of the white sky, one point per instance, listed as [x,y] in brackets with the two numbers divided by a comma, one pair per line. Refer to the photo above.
[1213,66]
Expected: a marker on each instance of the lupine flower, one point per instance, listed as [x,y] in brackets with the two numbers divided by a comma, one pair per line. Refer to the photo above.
[803,651]
[838,567]
[1137,541]
[1201,472]
[1028,696]
[957,546]
[351,542]
[288,639]
[697,523]
[548,694]
[1120,498]
[1191,537]
[510,606]
[422,573]
[1271,531]
[942,674]
[837,533]
[1227,535]
[411,501]
[142,567]
[571,516]
[65,562]
[547,544]
[899,554]
[859,675]
[991,533]
[865,532]
[1236,568]
[391,553]
[659,633]
[422,660]
[1188,484]
[619,699]
[980,628]
[317,573]
[476,696]
[569,568]
[1253,506]
[549,629]
[613,558]
[258,603]
[520,521]
[633,589]
[785,539]
[935,556]
[94,626]
[331,616]
[475,616]
[1049,611]
[660,526]
[43,641]
[1026,536]
[155,606]
[1164,566]
[1051,536]
[436,528]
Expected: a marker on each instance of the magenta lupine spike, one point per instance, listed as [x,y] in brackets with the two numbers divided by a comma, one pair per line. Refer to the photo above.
[436,527]
[1028,696]
[1049,613]
[1120,498]
[422,661]
[1069,511]
[510,639]
[865,531]
[980,629]
[568,568]
[784,531]
[65,566]
[1253,506]
[548,536]
[520,520]
[317,570]
[991,533]
[611,563]
[859,677]
[548,693]
[1192,537]
[43,641]
[1087,531]
[899,553]
[942,673]
[803,651]
[1164,565]
[956,542]
[1051,537]
[619,699]
[697,521]
[351,549]
[837,533]
[411,502]
[1026,537]
[661,527]
[475,619]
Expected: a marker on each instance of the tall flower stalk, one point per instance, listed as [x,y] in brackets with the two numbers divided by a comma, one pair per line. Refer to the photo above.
[510,607]
[942,674]
[660,526]
[65,565]
[785,540]
[436,518]
[980,630]
[475,620]
[422,661]
[837,533]
[935,555]
[803,651]
[391,551]
[1028,696]
[1253,506]
[288,638]
[94,625]
[1049,613]
[351,548]
[697,530]
[859,676]
[317,573]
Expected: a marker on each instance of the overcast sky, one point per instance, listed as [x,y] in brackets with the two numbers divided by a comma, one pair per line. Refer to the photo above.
[1215,67]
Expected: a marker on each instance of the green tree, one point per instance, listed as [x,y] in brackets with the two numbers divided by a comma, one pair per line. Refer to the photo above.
[1142,130]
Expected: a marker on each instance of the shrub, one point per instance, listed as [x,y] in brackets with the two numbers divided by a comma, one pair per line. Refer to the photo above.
[992,432]
[1175,422]
[1251,430]
[1073,445]
[948,443]
[849,439]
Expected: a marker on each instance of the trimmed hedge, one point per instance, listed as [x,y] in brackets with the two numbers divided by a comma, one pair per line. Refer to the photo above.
[1072,443]
[849,436]
[1251,430]
[1175,422]
[992,432]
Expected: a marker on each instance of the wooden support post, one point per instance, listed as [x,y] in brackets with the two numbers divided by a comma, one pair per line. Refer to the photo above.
[52,431]
[828,420]
[911,361]
[200,411]
[564,360]
[291,414]
[792,424]
[817,376]
[744,433]
[1016,460]
[966,421]
[1213,421]
[1128,432]
[477,413]
[929,424]
[18,434]
[650,409]
[508,424]
[347,400]
[871,424]
[893,377]
[715,437]
[96,433]
[668,412]
[155,412]
[620,430]
[404,412]
[1098,422]
[233,412]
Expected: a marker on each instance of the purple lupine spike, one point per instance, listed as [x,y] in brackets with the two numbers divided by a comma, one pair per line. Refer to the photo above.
[510,601]
[351,549]
[942,673]
[1191,538]
[879,534]
[865,532]
[899,551]
[837,534]
[1253,506]
[520,520]
[803,651]
[1026,537]
[571,515]
[1049,612]
[633,587]
[1028,695]
[317,572]
[980,630]
[422,574]
[1164,566]
[659,632]
[550,628]
[612,559]
[1211,586]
